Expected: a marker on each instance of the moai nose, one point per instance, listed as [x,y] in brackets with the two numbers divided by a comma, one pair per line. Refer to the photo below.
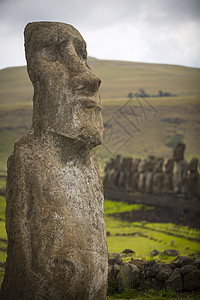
[86,83]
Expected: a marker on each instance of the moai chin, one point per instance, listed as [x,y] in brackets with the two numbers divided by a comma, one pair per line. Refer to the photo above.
[54,216]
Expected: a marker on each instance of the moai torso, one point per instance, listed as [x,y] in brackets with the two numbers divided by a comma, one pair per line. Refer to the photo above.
[180,170]
[54,216]
[134,174]
[149,175]
[168,176]
[124,174]
[107,180]
[142,175]
[158,175]
[193,177]
[116,171]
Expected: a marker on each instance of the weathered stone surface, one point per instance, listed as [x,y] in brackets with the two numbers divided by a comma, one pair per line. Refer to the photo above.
[138,263]
[152,270]
[128,251]
[196,264]
[191,281]
[116,260]
[170,252]
[54,216]
[164,273]
[181,261]
[154,252]
[187,269]
[128,277]
[174,281]
[153,283]
[116,269]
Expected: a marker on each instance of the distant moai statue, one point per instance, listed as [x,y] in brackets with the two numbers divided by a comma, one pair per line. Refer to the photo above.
[116,171]
[193,177]
[124,174]
[54,215]
[149,174]
[168,176]
[142,175]
[180,171]
[109,166]
[112,171]
[134,176]
[178,152]
[128,171]
[158,175]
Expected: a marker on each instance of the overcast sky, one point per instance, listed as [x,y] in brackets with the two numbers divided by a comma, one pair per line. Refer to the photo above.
[159,31]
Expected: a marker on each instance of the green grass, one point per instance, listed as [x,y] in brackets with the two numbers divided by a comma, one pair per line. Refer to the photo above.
[118,79]
[2,208]
[112,207]
[150,294]
[143,237]
[154,294]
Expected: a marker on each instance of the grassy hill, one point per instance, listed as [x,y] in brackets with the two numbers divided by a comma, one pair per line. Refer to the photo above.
[137,127]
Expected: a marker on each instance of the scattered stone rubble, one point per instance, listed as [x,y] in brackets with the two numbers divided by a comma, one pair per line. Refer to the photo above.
[182,274]
[149,175]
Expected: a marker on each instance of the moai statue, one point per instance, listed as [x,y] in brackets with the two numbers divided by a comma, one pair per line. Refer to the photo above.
[193,177]
[112,173]
[149,174]
[142,175]
[116,171]
[54,216]
[180,171]
[127,172]
[158,175]
[124,173]
[178,152]
[107,173]
[168,176]
[134,175]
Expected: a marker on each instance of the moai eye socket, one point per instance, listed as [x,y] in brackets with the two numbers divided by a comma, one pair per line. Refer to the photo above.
[49,53]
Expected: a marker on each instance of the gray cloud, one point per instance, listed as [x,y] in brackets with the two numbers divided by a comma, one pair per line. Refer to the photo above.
[164,31]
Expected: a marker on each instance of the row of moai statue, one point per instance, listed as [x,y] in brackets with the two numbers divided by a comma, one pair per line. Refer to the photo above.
[152,175]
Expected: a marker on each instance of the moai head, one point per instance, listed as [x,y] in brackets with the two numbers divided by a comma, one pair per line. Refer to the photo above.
[142,166]
[193,165]
[178,152]
[66,97]
[150,163]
